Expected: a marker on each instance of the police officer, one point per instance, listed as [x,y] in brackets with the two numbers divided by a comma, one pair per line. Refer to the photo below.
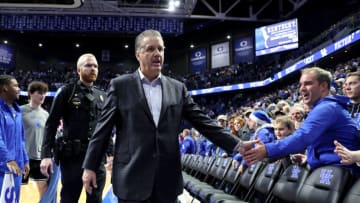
[78,104]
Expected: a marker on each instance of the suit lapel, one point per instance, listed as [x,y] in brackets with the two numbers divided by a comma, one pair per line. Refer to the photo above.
[140,95]
[165,86]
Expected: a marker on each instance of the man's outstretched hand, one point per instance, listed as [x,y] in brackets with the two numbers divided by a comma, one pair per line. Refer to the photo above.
[253,155]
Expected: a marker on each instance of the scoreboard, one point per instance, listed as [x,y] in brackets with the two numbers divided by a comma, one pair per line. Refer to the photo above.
[81,23]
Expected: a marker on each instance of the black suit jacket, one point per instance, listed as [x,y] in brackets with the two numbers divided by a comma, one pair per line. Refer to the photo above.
[147,156]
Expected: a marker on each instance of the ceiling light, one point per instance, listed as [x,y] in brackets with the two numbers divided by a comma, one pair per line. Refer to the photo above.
[177,3]
[5,41]
[173,4]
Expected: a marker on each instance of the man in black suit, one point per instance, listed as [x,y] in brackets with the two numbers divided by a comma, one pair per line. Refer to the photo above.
[147,108]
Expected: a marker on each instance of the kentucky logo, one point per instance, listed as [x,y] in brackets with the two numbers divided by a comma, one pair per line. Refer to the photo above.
[295,172]
[326,176]
[10,196]
[271,168]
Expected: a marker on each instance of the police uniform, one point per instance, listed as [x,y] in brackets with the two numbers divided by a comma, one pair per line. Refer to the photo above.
[79,107]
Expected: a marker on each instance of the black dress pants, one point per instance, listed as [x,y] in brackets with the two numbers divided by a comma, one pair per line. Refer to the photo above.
[71,180]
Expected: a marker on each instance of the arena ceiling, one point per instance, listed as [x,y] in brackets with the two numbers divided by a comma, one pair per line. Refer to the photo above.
[204,20]
[235,10]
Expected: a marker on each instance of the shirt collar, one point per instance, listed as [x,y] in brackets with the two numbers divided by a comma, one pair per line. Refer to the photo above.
[84,87]
[6,106]
[143,78]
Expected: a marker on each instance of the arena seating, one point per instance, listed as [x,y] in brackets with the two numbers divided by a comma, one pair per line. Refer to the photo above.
[269,183]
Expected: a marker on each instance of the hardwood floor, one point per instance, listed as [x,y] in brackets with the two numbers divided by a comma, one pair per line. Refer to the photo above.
[30,194]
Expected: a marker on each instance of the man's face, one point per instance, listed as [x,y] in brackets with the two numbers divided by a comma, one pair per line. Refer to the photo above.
[37,97]
[13,90]
[352,88]
[151,56]
[221,122]
[88,69]
[296,115]
[310,89]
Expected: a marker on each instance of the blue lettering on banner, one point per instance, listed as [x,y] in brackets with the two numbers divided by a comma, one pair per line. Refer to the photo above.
[343,42]
[240,86]
[309,59]
[326,176]
[323,52]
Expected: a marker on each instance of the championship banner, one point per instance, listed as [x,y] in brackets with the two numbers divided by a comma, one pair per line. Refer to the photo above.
[243,50]
[198,60]
[6,57]
[220,55]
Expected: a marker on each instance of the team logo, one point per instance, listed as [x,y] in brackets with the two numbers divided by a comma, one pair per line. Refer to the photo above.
[197,54]
[243,43]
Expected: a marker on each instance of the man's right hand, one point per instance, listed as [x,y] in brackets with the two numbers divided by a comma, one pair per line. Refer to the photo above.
[14,168]
[46,166]
[89,180]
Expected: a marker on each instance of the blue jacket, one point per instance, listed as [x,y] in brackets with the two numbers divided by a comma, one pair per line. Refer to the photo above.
[188,146]
[201,147]
[12,138]
[329,120]
[213,150]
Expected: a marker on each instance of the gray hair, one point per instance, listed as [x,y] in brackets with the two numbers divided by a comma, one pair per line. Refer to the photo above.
[147,33]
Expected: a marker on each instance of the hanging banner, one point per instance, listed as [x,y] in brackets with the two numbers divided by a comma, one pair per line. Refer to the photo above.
[220,55]
[6,57]
[243,50]
[198,60]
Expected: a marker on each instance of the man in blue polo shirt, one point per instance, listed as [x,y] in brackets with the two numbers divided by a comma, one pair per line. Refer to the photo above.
[327,121]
